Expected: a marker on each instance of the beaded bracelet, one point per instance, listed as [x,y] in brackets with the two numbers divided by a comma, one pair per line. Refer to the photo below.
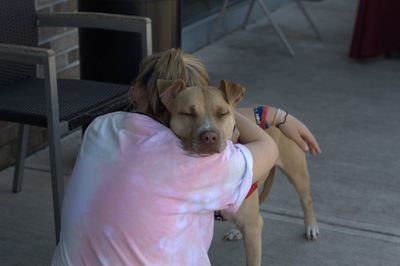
[284,120]
[276,117]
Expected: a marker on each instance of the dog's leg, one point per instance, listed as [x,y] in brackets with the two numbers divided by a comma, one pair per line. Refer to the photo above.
[267,186]
[252,230]
[295,168]
[250,223]
[292,161]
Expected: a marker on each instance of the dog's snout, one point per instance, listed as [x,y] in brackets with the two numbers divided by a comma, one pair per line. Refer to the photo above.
[209,137]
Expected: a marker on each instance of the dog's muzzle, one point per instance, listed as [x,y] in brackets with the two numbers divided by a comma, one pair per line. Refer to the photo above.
[208,142]
[209,137]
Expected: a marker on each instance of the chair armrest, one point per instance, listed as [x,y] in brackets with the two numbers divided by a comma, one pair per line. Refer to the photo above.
[45,57]
[25,54]
[93,20]
[136,24]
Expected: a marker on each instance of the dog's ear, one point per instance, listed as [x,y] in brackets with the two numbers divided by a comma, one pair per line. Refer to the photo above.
[168,89]
[233,92]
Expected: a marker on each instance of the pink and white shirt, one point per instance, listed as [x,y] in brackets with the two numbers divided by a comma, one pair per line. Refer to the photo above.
[136,197]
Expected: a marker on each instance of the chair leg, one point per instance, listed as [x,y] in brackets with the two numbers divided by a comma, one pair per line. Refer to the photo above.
[276,27]
[310,21]
[219,20]
[23,134]
[53,125]
[249,9]
[57,180]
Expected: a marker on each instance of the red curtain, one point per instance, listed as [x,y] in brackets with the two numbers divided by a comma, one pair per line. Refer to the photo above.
[377,28]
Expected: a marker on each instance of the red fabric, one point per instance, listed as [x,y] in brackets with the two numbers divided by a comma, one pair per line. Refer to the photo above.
[377,28]
[252,189]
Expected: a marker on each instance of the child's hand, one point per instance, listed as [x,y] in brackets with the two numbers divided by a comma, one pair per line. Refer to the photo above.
[300,134]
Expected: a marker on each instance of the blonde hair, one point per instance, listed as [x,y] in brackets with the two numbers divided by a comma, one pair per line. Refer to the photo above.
[171,64]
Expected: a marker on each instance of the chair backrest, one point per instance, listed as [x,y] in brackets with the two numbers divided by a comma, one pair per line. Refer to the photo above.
[17,26]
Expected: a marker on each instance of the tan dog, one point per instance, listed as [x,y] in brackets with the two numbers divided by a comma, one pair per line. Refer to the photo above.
[203,117]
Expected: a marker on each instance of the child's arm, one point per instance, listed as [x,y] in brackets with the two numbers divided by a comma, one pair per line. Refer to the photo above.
[288,124]
[263,149]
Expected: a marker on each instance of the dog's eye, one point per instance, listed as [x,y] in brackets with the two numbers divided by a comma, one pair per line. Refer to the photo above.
[223,113]
[186,114]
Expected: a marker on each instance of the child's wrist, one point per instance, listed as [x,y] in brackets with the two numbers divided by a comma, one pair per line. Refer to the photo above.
[280,118]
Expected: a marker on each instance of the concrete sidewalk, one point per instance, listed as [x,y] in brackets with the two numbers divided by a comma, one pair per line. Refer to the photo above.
[347,104]
[351,107]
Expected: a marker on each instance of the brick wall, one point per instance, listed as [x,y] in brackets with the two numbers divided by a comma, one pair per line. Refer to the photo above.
[65,43]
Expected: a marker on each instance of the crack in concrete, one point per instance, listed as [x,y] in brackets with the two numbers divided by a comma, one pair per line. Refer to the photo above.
[339,225]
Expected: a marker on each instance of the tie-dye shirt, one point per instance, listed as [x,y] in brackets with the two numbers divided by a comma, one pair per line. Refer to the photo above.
[135,197]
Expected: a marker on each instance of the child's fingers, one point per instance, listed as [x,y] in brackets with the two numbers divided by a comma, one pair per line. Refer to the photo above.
[316,149]
[301,141]
[312,144]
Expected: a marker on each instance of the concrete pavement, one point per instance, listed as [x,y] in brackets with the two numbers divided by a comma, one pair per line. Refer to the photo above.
[350,106]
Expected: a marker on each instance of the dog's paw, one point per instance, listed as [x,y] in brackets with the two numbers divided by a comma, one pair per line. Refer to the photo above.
[233,235]
[312,232]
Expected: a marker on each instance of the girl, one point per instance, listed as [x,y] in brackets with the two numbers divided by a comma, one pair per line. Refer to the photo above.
[135,197]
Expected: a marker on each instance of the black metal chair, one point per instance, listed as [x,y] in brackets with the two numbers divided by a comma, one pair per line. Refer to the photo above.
[61,105]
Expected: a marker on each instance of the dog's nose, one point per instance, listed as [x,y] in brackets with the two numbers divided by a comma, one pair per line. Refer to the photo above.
[209,137]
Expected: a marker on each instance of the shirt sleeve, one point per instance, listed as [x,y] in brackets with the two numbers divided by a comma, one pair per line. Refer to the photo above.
[245,181]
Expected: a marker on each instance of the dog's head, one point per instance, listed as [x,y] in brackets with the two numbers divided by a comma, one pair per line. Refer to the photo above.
[202,117]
